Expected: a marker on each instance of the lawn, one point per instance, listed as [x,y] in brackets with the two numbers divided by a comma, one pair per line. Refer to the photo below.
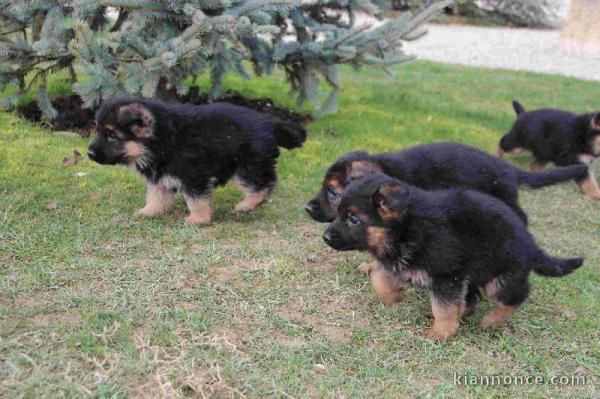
[96,302]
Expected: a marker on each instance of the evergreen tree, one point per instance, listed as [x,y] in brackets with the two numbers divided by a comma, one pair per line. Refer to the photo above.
[33,45]
[152,47]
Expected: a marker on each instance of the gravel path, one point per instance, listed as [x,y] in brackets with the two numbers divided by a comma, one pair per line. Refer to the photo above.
[507,48]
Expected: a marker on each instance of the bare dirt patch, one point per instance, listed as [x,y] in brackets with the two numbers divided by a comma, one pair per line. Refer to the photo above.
[309,230]
[333,328]
[35,300]
[53,318]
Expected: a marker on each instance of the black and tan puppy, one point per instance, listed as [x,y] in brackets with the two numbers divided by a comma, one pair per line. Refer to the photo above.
[436,166]
[556,136]
[191,149]
[450,242]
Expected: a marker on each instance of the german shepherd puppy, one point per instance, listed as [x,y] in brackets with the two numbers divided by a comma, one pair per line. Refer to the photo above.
[436,166]
[191,149]
[450,242]
[556,136]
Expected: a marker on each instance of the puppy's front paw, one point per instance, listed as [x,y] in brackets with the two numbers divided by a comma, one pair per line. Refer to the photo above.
[490,322]
[438,335]
[148,213]
[595,196]
[197,220]
[365,268]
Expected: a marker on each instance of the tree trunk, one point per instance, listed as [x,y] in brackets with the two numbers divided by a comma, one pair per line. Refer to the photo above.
[582,30]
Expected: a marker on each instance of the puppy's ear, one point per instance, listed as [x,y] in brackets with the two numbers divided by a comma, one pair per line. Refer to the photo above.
[359,169]
[390,200]
[595,123]
[139,119]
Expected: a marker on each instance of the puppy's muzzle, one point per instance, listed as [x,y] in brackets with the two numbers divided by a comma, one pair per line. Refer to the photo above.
[313,208]
[333,239]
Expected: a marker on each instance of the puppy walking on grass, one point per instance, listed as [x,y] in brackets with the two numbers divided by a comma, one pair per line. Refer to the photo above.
[450,242]
[192,149]
[436,166]
[557,136]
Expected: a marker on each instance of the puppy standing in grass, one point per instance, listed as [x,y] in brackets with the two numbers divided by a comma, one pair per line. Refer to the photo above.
[556,136]
[191,149]
[435,166]
[450,242]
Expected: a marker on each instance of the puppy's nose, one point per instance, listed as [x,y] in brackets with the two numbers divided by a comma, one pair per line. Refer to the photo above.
[91,154]
[327,236]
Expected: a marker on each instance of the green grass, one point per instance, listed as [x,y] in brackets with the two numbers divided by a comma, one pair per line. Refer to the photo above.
[95,302]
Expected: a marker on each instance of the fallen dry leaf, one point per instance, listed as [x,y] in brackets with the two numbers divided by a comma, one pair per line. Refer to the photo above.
[77,157]
[67,162]
[52,206]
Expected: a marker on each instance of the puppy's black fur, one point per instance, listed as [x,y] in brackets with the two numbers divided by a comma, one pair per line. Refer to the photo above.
[451,242]
[436,166]
[556,136]
[192,149]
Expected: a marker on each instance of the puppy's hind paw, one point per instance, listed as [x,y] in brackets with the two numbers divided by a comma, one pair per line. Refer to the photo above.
[244,207]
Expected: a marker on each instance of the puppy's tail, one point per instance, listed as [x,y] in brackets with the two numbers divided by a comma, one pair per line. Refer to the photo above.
[552,176]
[289,135]
[519,109]
[556,267]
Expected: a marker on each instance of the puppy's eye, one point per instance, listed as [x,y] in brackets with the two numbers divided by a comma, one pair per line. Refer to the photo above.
[352,221]
[333,193]
[111,137]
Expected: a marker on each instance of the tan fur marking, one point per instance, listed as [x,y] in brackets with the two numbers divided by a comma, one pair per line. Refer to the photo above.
[383,208]
[252,199]
[497,316]
[589,187]
[536,166]
[491,289]
[366,267]
[446,319]
[594,122]
[200,210]
[134,111]
[416,277]
[387,286]
[108,126]
[335,183]
[158,200]
[138,130]
[358,169]
[596,146]
[500,152]
[586,159]
[133,150]
[386,213]
[378,240]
